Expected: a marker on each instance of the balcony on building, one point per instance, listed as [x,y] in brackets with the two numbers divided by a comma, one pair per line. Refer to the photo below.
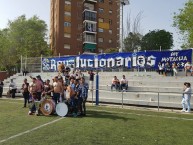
[89,27]
[90,1]
[90,15]
[89,38]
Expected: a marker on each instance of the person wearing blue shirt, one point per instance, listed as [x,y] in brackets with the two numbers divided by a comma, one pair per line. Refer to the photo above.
[83,95]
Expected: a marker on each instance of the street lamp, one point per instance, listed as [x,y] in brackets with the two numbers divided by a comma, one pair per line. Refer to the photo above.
[123,3]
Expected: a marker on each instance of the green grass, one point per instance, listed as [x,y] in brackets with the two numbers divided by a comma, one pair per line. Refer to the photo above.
[102,126]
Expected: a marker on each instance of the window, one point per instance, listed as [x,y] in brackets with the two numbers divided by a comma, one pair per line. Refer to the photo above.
[67,24]
[101,1]
[100,40]
[67,35]
[90,27]
[110,1]
[66,46]
[110,11]
[67,13]
[67,3]
[101,10]
[110,21]
[101,20]
[110,31]
[100,30]
[90,16]
[110,40]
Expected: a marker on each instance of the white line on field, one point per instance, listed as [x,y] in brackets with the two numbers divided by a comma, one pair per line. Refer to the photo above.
[176,118]
[28,131]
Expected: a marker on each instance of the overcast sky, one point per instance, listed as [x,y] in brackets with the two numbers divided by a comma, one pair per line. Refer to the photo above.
[156,14]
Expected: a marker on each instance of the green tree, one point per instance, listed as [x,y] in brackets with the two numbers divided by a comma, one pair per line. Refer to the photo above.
[184,22]
[156,39]
[26,37]
[132,42]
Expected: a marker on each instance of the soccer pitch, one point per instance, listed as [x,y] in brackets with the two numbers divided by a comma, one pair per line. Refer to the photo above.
[101,126]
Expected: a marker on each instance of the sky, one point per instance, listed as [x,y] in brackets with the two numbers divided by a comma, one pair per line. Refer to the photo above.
[156,14]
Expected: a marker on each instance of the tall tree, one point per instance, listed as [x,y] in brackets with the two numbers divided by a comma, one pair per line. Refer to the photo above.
[132,41]
[156,39]
[184,22]
[25,37]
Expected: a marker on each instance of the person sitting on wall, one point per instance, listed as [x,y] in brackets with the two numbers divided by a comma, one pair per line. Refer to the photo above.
[12,88]
[188,68]
[124,83]
[160,68]
[168,69]
[115,83]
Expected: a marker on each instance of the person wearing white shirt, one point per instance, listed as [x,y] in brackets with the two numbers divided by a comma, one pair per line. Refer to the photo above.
[186,98]
[124,83]
[187,68]
[12,88]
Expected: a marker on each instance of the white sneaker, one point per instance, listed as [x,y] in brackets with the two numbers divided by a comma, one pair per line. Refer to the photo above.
[183,110]
[187,111]
[29,113]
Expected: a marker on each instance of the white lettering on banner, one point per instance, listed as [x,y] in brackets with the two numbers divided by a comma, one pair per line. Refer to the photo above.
[119,61]
[174,53]
[128,62]
[141,61]
[102,63]
[110,62]
[173,59]
[90,63]
[96,62]
[53,64]
[151,61]
[134,61]
[83,62]
[77,62]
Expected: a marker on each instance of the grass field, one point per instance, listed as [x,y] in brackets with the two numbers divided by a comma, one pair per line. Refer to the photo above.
[102,126]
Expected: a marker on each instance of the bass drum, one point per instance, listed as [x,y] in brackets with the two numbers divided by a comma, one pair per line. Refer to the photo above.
[61,109]
[48,107]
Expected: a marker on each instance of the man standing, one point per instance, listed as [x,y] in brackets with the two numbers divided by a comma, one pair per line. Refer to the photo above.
[25,92]
[91,79]
[83,95]
[186,98]
[1,88]
[57,90]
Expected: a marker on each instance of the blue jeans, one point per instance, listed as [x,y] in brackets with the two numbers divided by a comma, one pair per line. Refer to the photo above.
[186,104]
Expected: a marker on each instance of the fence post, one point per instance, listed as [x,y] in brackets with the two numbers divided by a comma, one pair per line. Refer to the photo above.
[21,65]
[97,88]
[122,98]
[158,100]
[41,64]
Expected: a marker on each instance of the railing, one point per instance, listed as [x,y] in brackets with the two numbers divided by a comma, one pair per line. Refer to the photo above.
[154,99]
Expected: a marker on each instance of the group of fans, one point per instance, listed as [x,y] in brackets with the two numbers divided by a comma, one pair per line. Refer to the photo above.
[67,87]
[172,69]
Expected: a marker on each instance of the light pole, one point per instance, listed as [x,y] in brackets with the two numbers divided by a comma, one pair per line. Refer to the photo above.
[123,3]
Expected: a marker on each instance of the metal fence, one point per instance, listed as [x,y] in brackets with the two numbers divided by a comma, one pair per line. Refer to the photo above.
[146,99]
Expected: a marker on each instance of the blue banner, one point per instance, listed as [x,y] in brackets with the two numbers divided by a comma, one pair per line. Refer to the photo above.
[149,59]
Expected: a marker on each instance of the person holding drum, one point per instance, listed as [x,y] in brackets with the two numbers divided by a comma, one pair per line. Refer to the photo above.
[47,90]
[33,97]
[83,95]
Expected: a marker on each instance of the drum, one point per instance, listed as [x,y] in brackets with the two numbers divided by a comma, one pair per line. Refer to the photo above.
[47,107]
[61,109]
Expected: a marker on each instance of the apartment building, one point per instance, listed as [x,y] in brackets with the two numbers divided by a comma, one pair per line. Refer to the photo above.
[78,26]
